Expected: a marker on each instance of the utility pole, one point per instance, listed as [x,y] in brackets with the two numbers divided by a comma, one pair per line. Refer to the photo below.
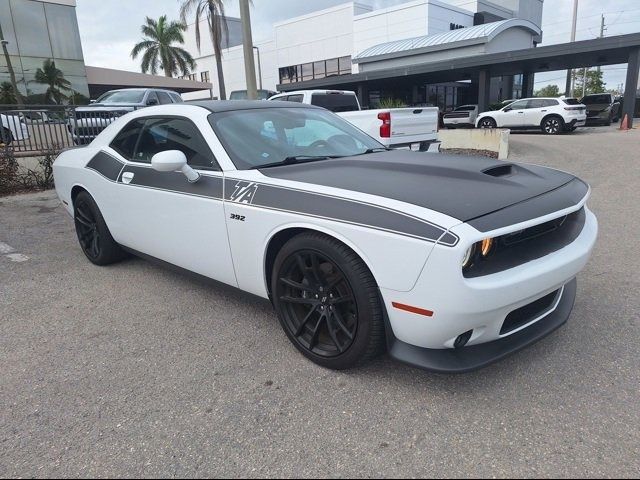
[602,30]
[570,80]
[257,49]
[249,63]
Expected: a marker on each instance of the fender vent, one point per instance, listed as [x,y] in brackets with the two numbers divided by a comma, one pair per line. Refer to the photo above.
[499,171]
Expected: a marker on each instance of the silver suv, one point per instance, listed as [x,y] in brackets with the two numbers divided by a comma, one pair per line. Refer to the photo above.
[87,122]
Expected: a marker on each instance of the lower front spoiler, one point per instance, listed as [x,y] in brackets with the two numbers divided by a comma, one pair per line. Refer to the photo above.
[472,358]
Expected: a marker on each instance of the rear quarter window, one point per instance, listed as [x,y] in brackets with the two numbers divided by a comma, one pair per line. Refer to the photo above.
[335,102]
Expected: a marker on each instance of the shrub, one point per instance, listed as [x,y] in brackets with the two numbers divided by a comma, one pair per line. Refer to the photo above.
[392,103]
[8,171]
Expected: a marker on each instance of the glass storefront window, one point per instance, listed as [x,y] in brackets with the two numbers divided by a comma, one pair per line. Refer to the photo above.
[7,27]
[332,67]
[345,65]
[319,70]
[31,29]
[63,30]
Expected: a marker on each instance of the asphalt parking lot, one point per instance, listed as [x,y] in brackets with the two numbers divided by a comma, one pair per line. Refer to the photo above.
[137,371]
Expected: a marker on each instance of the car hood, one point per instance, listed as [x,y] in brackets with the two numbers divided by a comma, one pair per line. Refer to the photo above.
[462,187]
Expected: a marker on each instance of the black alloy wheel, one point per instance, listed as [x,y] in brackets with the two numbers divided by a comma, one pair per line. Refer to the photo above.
[327,301]
[488,123]
[87,229]
[552,126]
[93,234]
[320,308]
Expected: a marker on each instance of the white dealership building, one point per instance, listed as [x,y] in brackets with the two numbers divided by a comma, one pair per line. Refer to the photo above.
[331,42]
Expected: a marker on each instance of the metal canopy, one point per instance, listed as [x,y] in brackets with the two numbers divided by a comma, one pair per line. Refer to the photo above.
[443,41]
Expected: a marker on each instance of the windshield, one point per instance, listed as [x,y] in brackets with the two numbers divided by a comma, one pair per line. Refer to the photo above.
[125,96]
[593,99]
[260,137]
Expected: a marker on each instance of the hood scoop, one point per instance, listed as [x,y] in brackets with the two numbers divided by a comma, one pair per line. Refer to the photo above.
[500,171]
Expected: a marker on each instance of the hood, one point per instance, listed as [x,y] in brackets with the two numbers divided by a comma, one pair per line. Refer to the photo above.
[462,187]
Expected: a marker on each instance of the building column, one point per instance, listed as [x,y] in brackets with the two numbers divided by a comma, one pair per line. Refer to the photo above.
[631,86]
[363,95]
[484,90]
[507,87]
[527,85]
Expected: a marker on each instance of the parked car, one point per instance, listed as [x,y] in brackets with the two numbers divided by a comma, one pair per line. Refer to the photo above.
[89,121]
[464,116]
[602,108]
[450,263]
[552,115]
[414,128]
[242,95]
[12,128]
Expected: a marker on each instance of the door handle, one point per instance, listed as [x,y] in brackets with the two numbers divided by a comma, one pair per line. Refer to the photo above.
[544,111]
[127,177]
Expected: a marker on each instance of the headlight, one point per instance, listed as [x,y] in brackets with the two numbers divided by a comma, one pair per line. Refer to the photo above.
[486,246]
[467,261]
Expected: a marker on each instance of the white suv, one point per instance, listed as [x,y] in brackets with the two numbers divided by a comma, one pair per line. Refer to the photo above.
[552,115]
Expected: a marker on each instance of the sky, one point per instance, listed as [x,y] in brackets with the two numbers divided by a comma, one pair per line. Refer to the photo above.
[110,28]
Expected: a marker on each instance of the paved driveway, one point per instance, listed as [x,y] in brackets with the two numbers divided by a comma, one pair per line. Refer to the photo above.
[134,370]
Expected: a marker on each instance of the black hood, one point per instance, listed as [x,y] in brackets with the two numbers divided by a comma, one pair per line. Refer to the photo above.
[462,187]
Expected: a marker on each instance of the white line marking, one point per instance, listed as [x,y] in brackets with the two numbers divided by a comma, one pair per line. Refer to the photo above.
[4,249]
[18,257]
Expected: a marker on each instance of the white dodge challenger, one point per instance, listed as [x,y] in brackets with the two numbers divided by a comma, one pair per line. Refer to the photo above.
[447,262]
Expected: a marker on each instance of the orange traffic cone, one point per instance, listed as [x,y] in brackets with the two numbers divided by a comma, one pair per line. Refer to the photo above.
[624,125]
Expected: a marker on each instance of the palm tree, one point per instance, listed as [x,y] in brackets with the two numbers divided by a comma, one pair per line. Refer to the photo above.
[159,37]
[53,77]
[213,12]
[7,94]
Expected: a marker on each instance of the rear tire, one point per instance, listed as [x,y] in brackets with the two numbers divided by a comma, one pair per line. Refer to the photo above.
[327,302]
[93,234]
[552,125]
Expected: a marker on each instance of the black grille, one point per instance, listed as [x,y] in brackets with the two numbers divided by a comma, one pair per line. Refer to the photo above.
[529,244]
[528,313]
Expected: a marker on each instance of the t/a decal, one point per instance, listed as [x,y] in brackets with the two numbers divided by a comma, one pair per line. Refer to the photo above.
[244,192]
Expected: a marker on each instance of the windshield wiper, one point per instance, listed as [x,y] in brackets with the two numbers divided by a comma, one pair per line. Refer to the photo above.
[375,150]
[295,160]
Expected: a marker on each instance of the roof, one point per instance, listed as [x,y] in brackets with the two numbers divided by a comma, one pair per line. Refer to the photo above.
[219,106]
[442,41]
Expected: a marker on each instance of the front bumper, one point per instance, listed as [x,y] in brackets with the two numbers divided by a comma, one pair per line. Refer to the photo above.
[472,358]
[483,305]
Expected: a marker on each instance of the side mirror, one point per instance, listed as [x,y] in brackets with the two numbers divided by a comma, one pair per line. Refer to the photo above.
[173,161]
[92,102]
[507,109]
[152,102]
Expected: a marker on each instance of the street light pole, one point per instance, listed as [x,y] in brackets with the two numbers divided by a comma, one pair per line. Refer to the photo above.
[570,80]
[249,64]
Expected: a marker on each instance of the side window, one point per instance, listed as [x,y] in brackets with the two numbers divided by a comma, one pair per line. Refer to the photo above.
[536,103]
[519,105]
[295,98]
[162,134]
[164,98]
[125,142]
[551,103]
[152,98]
[176,98]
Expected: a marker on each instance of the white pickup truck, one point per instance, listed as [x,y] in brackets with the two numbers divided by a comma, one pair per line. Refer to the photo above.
[413,128]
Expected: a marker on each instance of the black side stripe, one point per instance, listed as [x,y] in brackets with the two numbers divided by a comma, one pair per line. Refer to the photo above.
[334,208]
[106,165]
[207,186]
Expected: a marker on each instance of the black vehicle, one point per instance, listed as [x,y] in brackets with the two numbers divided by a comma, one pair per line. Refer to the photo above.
[603,108]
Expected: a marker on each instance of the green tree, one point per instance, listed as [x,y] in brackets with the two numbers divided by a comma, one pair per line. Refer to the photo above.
[159,50]
[213,12]
[595,83]
[7,94]
[548,91]
[53,78]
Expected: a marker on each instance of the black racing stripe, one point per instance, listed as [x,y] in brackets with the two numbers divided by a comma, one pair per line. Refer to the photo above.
[567,196]
[106,165]
[207,186]
[334,208]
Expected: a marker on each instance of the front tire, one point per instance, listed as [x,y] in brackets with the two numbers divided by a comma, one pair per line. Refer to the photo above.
[93,234]
[487,123]
[6,138]
[552,125]
[327,302]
